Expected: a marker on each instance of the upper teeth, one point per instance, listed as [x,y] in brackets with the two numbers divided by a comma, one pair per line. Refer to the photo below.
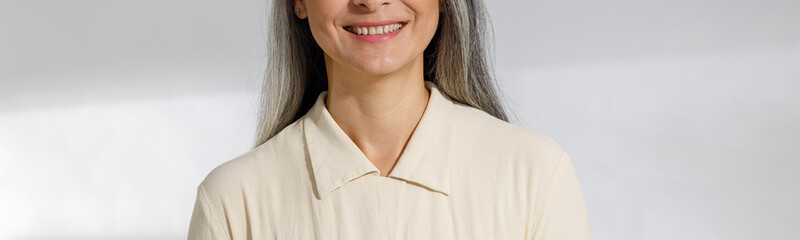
[375,30]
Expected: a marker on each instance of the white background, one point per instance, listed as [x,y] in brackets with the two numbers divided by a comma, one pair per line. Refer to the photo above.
[682,117]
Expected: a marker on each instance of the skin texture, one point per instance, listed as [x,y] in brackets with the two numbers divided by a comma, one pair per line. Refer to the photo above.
[376,91]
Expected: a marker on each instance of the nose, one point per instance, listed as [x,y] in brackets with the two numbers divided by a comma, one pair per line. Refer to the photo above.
[370,5]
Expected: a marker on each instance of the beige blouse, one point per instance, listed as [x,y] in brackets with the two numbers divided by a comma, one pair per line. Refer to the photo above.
[463,175]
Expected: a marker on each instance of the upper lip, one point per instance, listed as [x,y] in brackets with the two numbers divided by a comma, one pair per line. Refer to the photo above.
[369,24]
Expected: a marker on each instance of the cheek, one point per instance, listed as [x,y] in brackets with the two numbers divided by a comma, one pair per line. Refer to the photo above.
[427,23]
[427,12]
[320,22]
[433,22]
[324,36]
[318,31]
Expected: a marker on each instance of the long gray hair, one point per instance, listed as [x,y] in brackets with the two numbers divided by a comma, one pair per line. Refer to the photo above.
[458,60]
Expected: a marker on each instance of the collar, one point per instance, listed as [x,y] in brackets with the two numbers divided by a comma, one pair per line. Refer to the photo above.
[336,160]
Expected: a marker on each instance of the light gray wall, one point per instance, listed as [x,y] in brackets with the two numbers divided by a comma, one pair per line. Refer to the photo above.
[681,116]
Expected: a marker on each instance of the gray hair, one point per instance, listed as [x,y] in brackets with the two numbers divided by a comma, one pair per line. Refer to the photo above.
[458,60]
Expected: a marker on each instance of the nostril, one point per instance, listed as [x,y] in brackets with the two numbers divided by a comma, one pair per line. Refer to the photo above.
[372,6]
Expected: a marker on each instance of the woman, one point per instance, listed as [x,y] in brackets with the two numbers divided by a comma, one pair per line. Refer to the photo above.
[380,120]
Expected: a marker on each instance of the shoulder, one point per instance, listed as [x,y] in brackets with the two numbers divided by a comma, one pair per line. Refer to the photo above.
[267,164]
[483,127]
[504,140]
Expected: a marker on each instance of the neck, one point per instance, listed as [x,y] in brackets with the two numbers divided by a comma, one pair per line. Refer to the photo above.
[378,113]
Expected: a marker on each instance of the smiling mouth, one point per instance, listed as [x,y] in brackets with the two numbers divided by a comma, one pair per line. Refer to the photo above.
[375,30]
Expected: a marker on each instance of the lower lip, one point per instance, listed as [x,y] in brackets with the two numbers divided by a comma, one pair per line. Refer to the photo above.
[375,38]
